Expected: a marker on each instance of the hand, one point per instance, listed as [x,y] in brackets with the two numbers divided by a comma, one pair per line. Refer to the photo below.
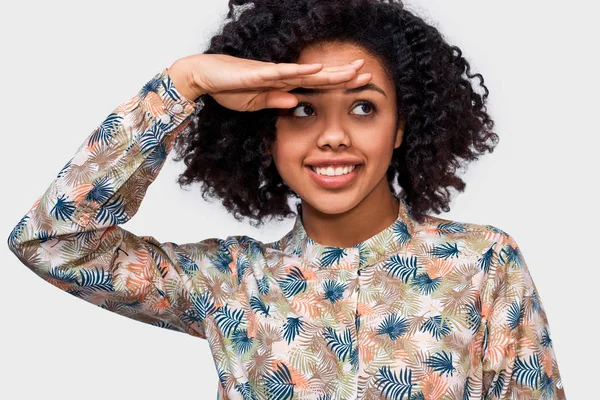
[249,85]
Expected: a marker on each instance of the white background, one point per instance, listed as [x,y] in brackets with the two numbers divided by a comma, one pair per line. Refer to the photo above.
[67,64]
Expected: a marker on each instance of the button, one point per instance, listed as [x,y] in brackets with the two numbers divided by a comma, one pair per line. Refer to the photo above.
[177,108]
[165,118]
[347,367]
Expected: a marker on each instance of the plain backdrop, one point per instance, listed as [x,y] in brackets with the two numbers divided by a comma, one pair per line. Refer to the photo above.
[67,64]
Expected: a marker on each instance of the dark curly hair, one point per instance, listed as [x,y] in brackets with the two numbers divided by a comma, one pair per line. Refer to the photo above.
[446,120]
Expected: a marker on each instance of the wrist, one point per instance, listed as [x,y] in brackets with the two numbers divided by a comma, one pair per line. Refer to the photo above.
[183,81]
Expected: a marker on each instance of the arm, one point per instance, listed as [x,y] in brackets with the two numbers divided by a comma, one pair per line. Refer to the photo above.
[71,236]
[519,359]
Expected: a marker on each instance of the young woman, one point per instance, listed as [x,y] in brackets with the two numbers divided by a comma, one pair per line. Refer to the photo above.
[360,110]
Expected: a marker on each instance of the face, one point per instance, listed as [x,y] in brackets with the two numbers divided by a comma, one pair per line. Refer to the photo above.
[331,125]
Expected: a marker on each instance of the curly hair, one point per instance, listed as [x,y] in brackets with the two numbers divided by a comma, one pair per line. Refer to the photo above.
[446,120]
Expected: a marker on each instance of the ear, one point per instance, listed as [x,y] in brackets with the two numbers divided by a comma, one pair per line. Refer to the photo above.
[399,133]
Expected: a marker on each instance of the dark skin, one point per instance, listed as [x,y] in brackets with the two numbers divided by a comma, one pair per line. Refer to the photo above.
[335,124]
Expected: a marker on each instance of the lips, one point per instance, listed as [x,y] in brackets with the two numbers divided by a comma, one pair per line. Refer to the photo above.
[334,182]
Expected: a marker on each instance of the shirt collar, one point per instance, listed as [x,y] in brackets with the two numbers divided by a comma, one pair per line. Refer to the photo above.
[369,251]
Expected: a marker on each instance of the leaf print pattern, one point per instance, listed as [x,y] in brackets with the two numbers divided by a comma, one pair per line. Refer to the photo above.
[433,310]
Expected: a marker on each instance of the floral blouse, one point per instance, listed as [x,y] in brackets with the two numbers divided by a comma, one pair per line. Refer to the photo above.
[433,310]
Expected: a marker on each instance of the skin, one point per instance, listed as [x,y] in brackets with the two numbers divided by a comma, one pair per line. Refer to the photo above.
[335,124]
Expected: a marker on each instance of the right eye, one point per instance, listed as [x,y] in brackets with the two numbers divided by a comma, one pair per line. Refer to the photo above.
[301,106]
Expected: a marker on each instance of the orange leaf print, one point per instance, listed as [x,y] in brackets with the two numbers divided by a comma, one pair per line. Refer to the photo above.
[154,104]
[439,267]
[434,386]
[500,346]
[80,191]
[129,105]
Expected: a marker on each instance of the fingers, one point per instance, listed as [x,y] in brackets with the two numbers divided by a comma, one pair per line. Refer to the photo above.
[286,71]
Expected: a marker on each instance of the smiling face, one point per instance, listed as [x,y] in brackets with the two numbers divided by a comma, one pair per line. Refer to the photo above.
[357,125]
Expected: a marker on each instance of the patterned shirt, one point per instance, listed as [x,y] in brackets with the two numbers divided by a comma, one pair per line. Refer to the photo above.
[433,310]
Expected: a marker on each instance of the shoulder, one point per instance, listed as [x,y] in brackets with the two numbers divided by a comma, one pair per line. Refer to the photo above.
[456,229]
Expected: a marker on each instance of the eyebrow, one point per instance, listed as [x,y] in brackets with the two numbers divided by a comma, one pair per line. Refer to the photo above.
[313,92]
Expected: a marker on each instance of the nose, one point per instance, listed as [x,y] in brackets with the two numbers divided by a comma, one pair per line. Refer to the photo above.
[333,135]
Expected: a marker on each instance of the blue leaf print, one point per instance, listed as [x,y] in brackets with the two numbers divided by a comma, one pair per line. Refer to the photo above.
[150,139]
[169,89]
[515,313]
[333,290]
[474,314]
[279,384]
[393,325]
[187,264]
[104,132]
[511,255]
[163,324]
[258,306]
[485,262]
[354,358]
[62,275]
[341,345]
[547,386]
[241,341]
[498,384]
[150,86]
[363,256]
[402,267]
[17,230]
[426,284]
[441,363]
[96,279]
[246,390]
[401,232]
[263,285]
[203,306]
[44,236]
[392,386]
[436,327]
[222,261]
[331,256]
[113,212]
[101,191]
[228,320]
[445,251]
[242,266]
[446,228]
[293,283]
[63,209]
[64,169]
[545,339]
[156,159]
[468,391]
[528,372]
[291,328]
[536,304]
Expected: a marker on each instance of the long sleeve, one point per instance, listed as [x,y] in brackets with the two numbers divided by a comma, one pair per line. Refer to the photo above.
[519,361]
[71,236]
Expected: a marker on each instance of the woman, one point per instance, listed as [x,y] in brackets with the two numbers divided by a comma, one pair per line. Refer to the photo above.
[333,103]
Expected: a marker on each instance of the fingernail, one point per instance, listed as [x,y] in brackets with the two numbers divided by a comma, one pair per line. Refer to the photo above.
[357,61]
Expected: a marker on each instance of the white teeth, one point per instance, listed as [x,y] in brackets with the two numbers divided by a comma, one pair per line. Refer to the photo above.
[330,171]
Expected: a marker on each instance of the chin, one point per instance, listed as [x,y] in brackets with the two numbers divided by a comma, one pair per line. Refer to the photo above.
[331,203]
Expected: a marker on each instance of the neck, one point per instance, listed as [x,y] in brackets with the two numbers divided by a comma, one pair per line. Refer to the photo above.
[377,211]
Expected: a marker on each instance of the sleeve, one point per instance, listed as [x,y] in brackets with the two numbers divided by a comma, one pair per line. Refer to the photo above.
[519,360]
[71,236]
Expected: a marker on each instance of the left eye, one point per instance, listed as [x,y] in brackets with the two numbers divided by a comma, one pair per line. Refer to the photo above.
[364,104]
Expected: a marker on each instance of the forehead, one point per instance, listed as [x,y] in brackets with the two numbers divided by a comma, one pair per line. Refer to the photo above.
[332,54]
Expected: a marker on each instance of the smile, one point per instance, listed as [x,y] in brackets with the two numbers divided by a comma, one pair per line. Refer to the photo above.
[334,178]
